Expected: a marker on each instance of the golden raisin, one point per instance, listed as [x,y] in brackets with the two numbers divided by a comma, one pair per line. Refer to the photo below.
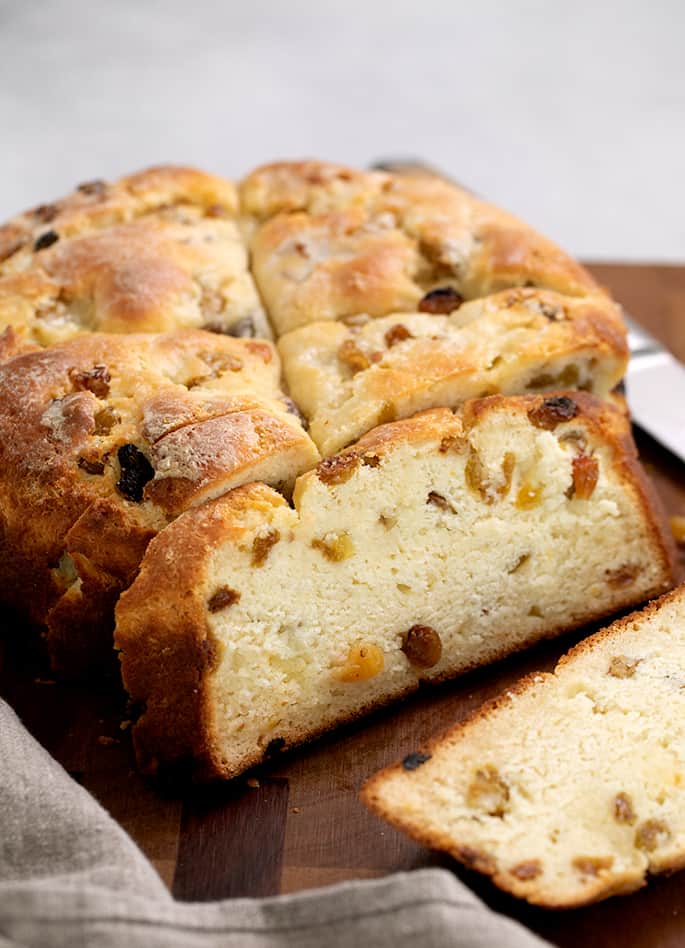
[96,380]
[363,661]
[592,865]
[352,356]
[525,871]
[487,791]
[261,546]
[585,476]
[452,443]
[105,420]
[222,598]
[552,412]
[651,834]
[397,333]
[622,667]
[529,495]
[677,525]
[338,469]
[422,646]
[335,546]
[477,480]
[623,576]
[623,809]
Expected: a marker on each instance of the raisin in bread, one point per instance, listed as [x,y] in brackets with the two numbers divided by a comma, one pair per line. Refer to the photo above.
[156,251]
[434,545]
[571,787]
[103,440]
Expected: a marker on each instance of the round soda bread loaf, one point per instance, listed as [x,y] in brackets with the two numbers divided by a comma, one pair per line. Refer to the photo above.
[391,293]
[156,251]
[103,440]
[570,787]
[434,545]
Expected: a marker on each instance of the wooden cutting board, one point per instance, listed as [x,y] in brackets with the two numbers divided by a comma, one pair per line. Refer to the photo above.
[298,823]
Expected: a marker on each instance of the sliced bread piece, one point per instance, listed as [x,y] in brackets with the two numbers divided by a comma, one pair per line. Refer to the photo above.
[571,787]
[330,242]
[349,378]
[434,545]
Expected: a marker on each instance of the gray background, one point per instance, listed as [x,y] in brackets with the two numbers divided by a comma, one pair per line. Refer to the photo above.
[572,114]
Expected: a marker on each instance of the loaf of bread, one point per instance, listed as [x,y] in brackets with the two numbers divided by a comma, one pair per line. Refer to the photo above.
[103,440]
[390,294]
[434,545]
[571,787]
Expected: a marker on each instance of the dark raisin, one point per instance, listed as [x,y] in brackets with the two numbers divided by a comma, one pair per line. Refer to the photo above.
[95,188]
[274,746]
[552,412]
[353,357]
[222,598]
[46,239]
[422,646]
[552,312]
[46,212]
[217,210]
[292,409]
[242,328]
[443,300]
[136,471]
[414,761]
[91,467]
[439,501]
[96,380]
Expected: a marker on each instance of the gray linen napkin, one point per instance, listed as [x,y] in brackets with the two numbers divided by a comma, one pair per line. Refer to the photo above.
[69,875]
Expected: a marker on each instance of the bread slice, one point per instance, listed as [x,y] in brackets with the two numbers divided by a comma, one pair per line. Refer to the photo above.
[571,787]
[156,251]
[349,378]
[103,440]
[434,545]
[330,242]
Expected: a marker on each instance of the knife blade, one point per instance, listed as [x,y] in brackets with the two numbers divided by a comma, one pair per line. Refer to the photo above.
[655,381]
[655,388]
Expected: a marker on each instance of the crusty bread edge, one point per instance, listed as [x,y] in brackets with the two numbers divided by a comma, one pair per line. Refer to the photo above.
[479,861]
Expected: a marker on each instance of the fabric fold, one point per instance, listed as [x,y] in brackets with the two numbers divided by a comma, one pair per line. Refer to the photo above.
[69,875]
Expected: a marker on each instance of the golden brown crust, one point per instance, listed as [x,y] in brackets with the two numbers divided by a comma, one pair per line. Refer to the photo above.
[164,639]
[333,242]
[76,512]
[153,252]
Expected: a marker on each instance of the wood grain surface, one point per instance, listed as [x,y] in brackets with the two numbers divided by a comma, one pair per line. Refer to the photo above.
[298,822]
